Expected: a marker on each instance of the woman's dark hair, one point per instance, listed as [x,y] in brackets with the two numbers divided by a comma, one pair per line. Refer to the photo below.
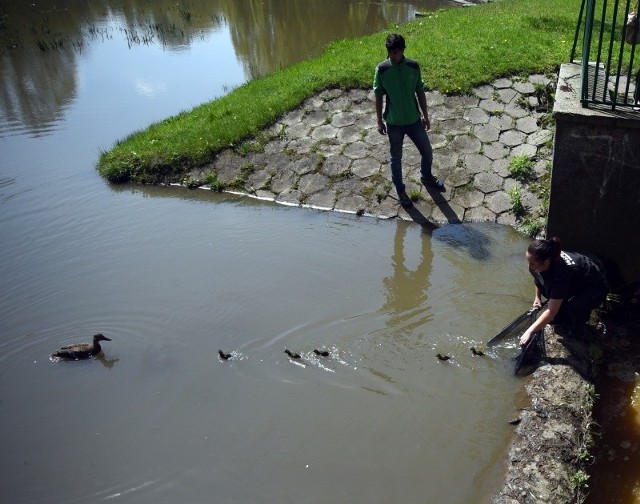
[395,41]
[545,249]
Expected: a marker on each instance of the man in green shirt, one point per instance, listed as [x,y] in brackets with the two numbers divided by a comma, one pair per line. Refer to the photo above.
[405,113]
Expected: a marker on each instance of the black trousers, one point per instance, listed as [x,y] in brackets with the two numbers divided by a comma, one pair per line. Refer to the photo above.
[575,311]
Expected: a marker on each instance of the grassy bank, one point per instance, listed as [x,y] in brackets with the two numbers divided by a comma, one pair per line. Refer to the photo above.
[457,48]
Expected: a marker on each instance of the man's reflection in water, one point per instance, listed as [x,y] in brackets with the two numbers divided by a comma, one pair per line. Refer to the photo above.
[406,290]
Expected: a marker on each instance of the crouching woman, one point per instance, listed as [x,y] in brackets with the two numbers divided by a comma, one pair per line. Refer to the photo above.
[572,283]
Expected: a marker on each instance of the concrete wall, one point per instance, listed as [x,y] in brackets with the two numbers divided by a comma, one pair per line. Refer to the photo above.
[595,179]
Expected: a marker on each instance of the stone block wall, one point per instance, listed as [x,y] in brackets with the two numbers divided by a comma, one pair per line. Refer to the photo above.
[595,179]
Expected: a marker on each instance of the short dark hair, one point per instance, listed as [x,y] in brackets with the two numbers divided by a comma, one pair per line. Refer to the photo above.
[545,249]
[395,41]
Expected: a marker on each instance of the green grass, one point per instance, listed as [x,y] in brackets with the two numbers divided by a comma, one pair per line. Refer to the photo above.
[458,49]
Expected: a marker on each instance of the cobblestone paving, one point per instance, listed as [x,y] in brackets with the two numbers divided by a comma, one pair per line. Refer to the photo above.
[328,155]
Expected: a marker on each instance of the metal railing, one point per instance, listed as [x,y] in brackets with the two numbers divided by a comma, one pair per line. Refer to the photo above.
[608,75]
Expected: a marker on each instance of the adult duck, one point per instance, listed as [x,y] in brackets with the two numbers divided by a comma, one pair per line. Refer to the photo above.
[81,350]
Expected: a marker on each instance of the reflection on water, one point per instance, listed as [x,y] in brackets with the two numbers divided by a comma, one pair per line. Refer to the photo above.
[172,275]
[42,41]
[614,476]
[163,418]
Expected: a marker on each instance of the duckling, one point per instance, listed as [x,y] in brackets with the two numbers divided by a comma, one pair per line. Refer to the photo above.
[515,421]
[476,352]
[443,357]
[291,354]
[81,350]
[224,356]
[321,353]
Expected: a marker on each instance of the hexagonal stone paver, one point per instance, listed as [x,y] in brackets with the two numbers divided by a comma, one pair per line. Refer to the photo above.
[335,165]
[527,124]
[356,150]
[524,87]
[501,121]
[456,177]
[476,163]
[479,214]
[496,150]
[524,150]
[469,198]
[450,213]
[540,137]
[465,144]
[350,202]
[306,164]
[342,119]
[486,133]
[323,200]
[515,110]
[503,83]
[312,183]
[349,134]
[491,105]
[301,145]
[498,202]
[476,116]
[282,181]
[258,180]
[488,182]
[507,95]
[501,167]
[484,92]
[365,167]
[289,197]
[512,138]
[324,131]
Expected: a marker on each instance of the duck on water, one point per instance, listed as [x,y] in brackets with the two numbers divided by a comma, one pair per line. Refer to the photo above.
[81,350]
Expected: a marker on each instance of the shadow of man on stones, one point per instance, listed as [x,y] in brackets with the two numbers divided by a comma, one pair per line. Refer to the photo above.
[444,206]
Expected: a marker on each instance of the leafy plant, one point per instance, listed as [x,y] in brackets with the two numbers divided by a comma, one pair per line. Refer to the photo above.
[517,206]
[415,195]
[521,167]
[579,479]
[531,227]
[214,183]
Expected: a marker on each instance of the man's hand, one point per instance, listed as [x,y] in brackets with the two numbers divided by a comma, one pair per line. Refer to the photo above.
[426,123]
[382,128]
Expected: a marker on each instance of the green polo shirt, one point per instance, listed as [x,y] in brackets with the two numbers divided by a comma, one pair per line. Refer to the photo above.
[399,83]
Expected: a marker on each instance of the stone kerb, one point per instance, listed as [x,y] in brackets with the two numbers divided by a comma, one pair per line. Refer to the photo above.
[327,154]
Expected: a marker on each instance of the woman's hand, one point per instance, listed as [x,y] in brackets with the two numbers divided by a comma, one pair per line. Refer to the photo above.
[526,336]
[537,302]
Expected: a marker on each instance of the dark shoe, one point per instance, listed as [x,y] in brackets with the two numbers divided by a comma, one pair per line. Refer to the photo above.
[433,182]
[405,200]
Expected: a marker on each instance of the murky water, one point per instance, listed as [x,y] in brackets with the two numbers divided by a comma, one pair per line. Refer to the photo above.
[174,275]
[614,473]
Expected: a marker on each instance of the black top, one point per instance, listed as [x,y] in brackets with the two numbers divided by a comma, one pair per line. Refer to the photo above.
[571,274]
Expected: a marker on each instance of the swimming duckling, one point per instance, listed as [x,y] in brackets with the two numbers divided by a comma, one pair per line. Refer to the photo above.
[224,356]
[476,352]
[321,353]
[81,350]
[290,354]
[443,357]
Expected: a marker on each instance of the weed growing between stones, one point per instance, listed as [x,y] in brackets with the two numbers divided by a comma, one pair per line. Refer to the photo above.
[517,206]
[521,167]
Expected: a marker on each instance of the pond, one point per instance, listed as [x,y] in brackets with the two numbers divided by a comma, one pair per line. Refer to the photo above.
[172,276]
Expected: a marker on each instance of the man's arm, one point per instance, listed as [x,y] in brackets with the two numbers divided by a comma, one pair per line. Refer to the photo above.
[382,129]
[422,101]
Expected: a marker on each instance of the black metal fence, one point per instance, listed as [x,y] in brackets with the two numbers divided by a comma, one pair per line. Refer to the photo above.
[610,74]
